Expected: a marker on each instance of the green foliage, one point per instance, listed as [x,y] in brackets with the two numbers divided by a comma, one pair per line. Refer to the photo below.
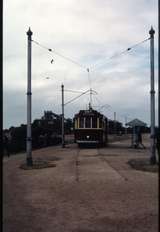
[45,132]
[18,139]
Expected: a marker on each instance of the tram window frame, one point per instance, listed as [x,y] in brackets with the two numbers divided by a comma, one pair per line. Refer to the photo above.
[81,122]
[87,122]
[100,123]
[94,122]
[76,123]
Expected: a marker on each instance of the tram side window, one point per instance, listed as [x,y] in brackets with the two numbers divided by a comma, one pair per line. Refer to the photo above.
[100,122]
[75,124]
[88,122]
[94,122]
[103,124]
[81,123]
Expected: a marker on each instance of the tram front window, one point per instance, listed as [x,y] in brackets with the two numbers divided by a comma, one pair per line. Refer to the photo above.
[81,123]
[88,122]
[94,122]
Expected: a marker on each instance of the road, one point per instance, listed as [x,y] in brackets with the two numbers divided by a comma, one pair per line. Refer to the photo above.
[89,190]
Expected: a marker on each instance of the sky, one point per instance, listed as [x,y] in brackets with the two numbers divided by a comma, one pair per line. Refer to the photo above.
[90,33]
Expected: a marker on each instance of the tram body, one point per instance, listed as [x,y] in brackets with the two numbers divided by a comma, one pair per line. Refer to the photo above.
[90,127]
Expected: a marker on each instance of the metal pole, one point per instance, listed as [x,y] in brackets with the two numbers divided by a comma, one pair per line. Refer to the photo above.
[158,134]
[152,92]
[63,143]
[29,93]
[125,125]
[158,77]
[115,126]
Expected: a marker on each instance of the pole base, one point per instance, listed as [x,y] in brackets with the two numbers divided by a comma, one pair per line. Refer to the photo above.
[153,160]
[29,161]
[63,145]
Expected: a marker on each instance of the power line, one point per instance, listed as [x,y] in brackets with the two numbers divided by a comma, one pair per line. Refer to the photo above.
[119,54]
[57,53]
[87,69]
[72,91]
[109,108]
[76,97]
[104,106]
[99,64]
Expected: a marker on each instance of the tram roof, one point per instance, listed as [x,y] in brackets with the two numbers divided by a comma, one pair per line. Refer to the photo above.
[90,112]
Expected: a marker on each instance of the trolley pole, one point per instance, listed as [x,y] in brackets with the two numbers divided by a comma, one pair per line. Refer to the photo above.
[90,99]
[29,93]
[152,92]
[63,142]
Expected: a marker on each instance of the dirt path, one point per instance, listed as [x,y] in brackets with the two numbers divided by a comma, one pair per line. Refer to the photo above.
[90,190]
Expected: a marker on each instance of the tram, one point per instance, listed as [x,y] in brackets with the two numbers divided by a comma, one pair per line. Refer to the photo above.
[90,127]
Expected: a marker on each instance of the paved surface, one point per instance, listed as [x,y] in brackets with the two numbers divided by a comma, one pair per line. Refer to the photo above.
[90,190]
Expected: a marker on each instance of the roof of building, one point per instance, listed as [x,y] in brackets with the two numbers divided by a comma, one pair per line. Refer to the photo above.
[136,122]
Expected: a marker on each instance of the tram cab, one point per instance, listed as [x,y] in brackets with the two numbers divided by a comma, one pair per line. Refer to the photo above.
[90,127]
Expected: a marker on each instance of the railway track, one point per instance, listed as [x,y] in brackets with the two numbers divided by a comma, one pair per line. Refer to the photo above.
[101,156]
[82,154]
[77,162]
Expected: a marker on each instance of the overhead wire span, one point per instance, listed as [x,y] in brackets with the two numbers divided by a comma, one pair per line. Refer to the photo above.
[73,91]
[57,53]
[104,106]
[76,97]
[137,44]
[96,66]
[94,92]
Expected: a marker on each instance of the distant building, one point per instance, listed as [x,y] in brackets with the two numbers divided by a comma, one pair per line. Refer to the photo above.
[137,126]
[136,122]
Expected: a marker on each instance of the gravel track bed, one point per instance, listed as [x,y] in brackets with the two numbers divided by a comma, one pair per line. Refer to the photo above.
[89,190]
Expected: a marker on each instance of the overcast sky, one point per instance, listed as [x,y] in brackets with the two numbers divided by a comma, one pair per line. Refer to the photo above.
[89,32]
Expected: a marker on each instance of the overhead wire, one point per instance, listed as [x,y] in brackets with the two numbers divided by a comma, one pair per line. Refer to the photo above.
[96,66]
[80,65]
[119,54]
[72,91]
[99,64]
[59,54]
[107,107]
[104,106]
[76,97]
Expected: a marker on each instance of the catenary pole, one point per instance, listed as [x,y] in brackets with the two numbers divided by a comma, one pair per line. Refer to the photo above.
[125,119]
[29,98]
[158,76]
[115,126]
[158,134]
[63,137]
[152,95]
